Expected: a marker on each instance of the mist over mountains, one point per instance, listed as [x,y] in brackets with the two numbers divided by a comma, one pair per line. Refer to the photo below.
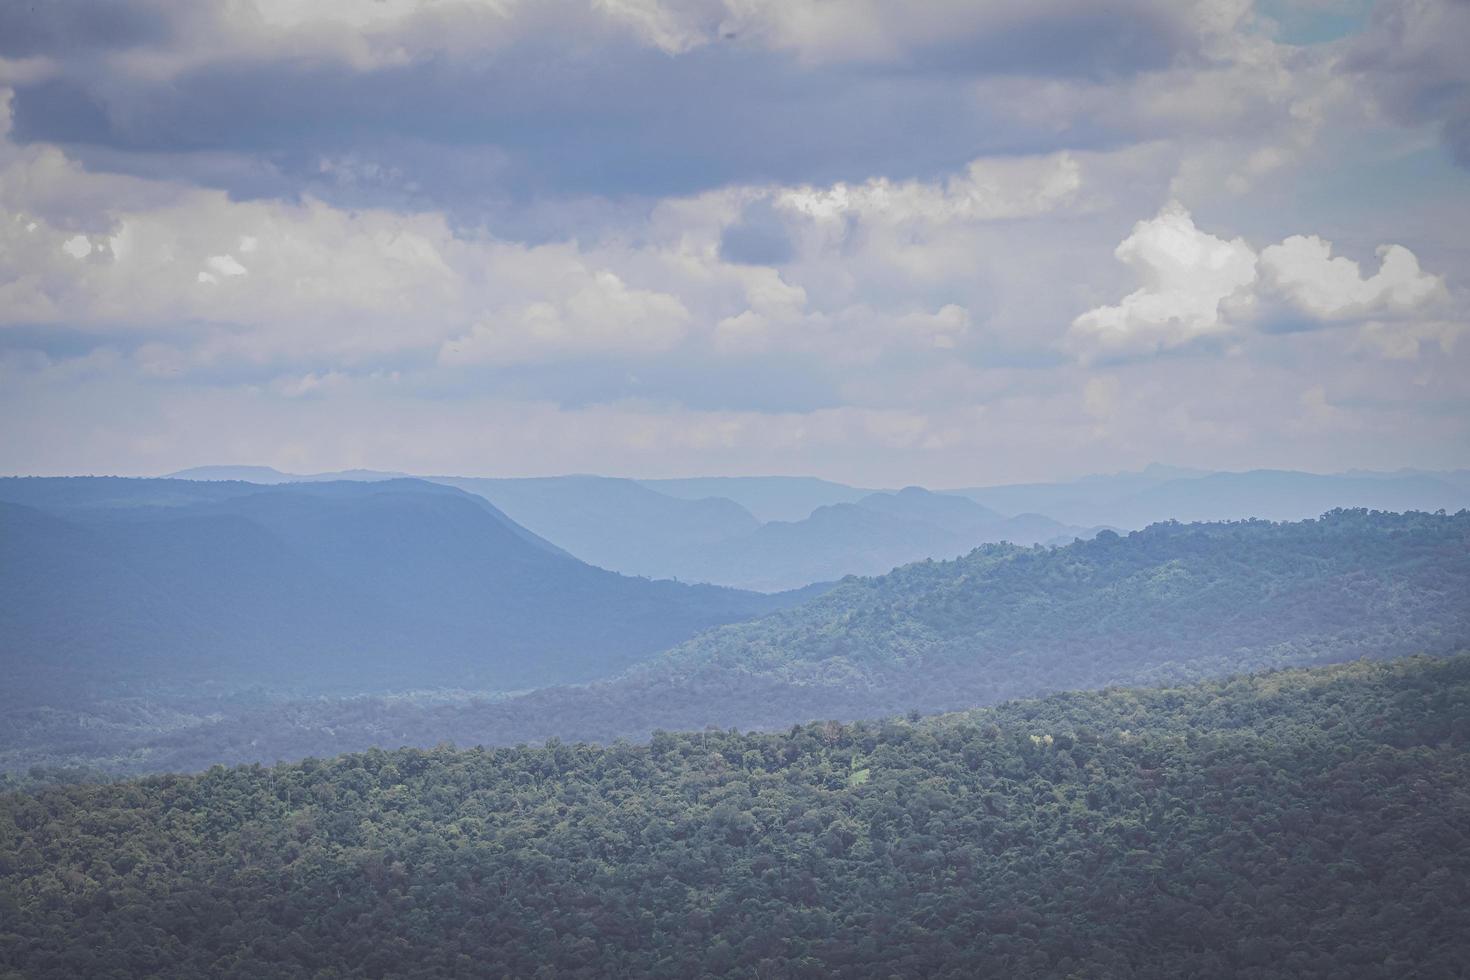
[779,533]
[1172,603]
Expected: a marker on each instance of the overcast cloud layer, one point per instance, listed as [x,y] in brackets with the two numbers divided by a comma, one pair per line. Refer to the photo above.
[939,242]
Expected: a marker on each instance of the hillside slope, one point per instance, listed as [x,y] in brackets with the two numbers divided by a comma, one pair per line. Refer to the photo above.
[1170,604]
[149,586]
[1297,824]
[615,524]
[1173,602]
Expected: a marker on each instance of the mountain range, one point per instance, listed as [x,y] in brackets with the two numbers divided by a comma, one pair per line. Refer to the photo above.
[115,584]
[781,533]
[1171,603]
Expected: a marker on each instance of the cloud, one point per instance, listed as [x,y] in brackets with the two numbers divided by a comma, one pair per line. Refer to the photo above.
[987,190]
[1405,341]
[1197,285]
[363,102]
[849,337]
[224,265]
[1008,36]
[77,247]
[1187,275]
[80,27]
[208,283]
[1303,273]
[1412,63]
[726,235]
[588,314]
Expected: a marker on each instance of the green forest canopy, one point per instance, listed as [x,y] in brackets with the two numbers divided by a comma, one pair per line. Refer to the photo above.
[1296,823]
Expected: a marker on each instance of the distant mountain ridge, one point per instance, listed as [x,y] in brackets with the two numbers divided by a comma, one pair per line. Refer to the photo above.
[332,586]
[780,533]
[769,498]
[879,532]
[667,529]
[270,475]
[1134,500]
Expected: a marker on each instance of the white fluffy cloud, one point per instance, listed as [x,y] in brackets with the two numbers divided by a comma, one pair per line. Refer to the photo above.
[1303,272]
[1195,285]
[1187,275]
[987,190]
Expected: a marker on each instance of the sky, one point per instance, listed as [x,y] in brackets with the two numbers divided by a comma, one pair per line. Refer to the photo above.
[937,242]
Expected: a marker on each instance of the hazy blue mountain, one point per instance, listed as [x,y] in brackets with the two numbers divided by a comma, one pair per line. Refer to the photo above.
[270,475]
[769,498]
[148,584]
[835,541]
[664,528]
[972,522]
[625,526]
[1133,500]
[958,514]
[1076,500]
[613,523]
[879,532]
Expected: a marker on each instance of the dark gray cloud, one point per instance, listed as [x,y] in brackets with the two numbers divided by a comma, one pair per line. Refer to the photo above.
[74,27]
[1413,60]
[604,115]
[634,121]
[1098,42]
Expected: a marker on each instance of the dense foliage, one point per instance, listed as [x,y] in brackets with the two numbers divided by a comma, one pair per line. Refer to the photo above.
[1173,602]
[1298,823]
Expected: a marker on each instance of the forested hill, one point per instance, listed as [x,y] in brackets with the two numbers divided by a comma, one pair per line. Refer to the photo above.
[1165,605]
[1173,602]
[1307,823]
